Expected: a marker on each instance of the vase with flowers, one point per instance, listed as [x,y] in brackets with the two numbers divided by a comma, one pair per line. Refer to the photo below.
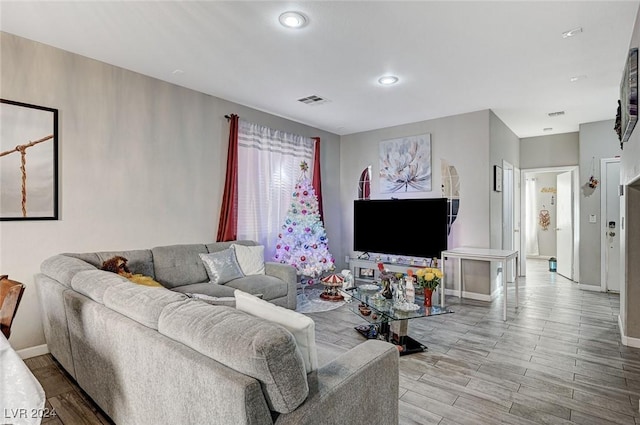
[428,278]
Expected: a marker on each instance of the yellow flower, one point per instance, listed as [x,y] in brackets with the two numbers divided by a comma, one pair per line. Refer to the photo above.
[438,273]
[420,272]
[429,276]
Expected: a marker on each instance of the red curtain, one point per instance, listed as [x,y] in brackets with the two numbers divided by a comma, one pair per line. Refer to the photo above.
[228,225]
[315,181]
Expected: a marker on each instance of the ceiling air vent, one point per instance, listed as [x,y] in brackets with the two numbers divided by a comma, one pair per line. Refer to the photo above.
[313,100]
[556,114]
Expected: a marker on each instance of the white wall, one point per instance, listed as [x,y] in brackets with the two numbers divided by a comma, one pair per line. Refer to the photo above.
[142,163]
[557,150]
[462,140]
[597,140]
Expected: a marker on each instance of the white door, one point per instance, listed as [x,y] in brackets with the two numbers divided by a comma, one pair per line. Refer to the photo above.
[516,215]
[507,216]
[610,203]
[564,228]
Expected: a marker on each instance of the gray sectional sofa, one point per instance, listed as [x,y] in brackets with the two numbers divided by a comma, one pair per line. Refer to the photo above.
[150,355]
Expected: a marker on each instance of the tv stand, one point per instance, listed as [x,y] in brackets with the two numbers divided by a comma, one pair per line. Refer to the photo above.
[357,264]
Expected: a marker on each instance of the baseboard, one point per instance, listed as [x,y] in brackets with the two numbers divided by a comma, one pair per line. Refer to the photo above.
[470,295]
[627,340]
[38,350]
[594,288]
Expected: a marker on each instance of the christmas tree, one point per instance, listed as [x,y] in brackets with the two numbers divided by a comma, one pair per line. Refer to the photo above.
[302,241]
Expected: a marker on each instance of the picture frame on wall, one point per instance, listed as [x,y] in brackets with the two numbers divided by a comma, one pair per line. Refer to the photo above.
[28,161]
[405,164]
[497,178]
[629,97]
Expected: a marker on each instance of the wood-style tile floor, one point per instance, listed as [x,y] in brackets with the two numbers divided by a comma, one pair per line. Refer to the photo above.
[557,360]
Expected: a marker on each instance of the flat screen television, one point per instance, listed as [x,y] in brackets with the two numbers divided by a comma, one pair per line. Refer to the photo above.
[409,227]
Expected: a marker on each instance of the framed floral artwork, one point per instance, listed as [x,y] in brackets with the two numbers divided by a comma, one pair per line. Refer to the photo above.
[28,162]
[405,164]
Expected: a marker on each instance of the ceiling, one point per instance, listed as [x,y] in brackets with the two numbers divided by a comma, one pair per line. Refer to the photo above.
[451,57]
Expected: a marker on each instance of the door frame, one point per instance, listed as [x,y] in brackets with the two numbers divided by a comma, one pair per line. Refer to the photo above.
[603,223]
[575,190]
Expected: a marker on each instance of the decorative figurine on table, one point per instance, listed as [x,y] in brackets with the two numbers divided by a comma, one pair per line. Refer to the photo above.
[385,281]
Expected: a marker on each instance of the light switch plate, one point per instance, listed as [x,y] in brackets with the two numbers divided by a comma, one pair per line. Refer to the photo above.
[592,218]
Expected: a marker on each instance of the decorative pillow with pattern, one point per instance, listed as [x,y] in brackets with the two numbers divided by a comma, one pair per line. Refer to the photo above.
[250,258]
[222,266]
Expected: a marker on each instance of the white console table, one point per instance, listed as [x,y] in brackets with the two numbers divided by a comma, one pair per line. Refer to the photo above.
[499,255]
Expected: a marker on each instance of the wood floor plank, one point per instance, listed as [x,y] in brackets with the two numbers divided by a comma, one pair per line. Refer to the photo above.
[556,360]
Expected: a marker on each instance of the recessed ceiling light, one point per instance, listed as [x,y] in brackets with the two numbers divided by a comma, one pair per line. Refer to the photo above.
[388,80]
[547,129]
[572,32]
[293,19]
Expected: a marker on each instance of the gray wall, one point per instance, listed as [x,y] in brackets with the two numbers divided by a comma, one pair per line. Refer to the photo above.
[555,150]
[630,241]
[597,140]
[142,163]
[463,141]
[504,145]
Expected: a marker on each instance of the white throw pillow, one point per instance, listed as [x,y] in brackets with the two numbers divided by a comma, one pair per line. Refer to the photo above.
[302,327]
[250,258]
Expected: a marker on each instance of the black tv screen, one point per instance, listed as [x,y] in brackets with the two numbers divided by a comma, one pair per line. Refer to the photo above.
[409,227]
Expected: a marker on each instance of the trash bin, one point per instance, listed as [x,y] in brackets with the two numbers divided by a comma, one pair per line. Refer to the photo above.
[553,264]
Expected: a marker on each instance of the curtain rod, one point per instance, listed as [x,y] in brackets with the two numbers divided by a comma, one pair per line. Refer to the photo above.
[228,117]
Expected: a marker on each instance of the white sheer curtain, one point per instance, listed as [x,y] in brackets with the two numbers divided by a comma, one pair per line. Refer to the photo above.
[531,218]
[268,169]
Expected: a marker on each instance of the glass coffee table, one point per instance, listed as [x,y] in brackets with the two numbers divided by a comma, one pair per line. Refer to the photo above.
[386,322]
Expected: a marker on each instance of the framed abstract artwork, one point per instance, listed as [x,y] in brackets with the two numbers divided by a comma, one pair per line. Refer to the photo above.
[405,164]
[28,161]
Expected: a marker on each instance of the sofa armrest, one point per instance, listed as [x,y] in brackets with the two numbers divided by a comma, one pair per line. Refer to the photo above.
[281,271]
[360,386]
[287,274]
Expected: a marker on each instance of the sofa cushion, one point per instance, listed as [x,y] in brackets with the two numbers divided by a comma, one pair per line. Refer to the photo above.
[227,301]
[221,266]
[62,268]
[140,303]
[219,246]
[94,283]
[254,347]
[138,260]
[177,265]
[301,327]
[206,288]
[250,258]
[270,287]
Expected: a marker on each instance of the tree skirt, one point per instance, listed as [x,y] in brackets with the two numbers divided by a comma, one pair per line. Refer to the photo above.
[309,301]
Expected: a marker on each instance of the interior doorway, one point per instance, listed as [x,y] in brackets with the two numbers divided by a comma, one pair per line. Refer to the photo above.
[542,233]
